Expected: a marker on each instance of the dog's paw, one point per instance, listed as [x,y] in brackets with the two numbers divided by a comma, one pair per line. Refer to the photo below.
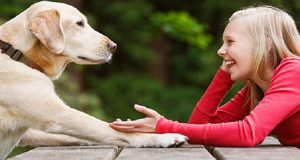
[170,140]
[156,140]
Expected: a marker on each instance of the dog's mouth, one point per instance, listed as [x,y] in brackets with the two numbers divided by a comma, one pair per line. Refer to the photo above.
[89,60]
[93,61]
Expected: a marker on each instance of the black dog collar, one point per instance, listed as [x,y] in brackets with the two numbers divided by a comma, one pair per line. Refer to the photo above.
[17,55]
[8,49]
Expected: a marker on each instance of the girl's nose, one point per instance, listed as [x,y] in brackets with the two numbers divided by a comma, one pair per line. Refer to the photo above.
[221,51]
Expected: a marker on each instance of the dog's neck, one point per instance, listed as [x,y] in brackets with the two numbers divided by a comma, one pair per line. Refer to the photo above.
[37,55]
[15,54]
[53,64]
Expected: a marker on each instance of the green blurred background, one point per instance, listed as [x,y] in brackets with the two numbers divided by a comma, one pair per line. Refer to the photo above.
[165,59]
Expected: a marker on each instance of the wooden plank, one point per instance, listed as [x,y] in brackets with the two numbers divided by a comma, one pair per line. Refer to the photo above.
[182,153]
[269,149]
[192,146]
[257,153]
[70,153]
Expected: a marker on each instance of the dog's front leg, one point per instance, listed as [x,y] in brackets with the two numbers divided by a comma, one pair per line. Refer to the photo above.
[47,112]
[78,124]
[36,138]
[81,125]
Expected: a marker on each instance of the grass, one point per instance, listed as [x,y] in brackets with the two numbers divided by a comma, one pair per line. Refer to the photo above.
[19,150]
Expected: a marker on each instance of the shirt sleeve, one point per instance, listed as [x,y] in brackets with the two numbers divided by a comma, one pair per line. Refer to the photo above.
[275,107]
[207,109]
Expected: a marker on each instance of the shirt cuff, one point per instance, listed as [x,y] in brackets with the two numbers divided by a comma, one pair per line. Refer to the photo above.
[159,125]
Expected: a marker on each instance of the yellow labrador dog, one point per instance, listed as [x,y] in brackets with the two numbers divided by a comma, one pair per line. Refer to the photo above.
[35,48]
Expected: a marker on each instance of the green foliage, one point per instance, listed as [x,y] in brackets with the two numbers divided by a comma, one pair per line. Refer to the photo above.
[70,92]
[126,23]
[19,150]
[195,67]
[121,91]
[181,26]
[10,8]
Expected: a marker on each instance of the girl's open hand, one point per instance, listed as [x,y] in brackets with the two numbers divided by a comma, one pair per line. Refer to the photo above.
[145,125]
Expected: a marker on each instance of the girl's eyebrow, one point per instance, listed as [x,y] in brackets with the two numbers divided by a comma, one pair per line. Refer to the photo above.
[227,37]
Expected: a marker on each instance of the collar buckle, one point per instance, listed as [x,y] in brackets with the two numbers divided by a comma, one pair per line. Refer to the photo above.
[8,49]
[17,55]
[5,46]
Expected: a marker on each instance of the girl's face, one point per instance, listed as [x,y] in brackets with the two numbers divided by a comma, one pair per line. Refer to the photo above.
[237,51]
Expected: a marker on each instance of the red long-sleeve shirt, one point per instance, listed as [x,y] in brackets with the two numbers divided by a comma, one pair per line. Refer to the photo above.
[233,124]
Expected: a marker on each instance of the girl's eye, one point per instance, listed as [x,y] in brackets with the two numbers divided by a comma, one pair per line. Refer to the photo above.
[80,23]
[230,41]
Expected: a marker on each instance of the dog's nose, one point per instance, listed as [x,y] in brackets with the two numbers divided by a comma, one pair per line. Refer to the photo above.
[112,46]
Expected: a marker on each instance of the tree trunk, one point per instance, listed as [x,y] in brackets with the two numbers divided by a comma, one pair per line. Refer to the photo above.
[161,59]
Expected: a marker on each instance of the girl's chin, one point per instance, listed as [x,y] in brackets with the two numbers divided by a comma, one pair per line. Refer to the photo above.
[237,78]
[234,76]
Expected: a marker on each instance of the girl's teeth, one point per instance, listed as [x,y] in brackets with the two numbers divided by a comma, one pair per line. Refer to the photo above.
[229,62]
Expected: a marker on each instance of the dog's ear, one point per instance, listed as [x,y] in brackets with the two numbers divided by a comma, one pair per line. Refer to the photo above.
[47,28]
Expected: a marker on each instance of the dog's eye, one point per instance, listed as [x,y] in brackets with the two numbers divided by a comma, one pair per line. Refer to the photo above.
[80,23]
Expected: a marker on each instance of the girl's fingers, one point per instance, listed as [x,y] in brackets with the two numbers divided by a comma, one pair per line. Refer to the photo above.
[127,129]
[147,111]
[125,123]
[121,127]
[118,120]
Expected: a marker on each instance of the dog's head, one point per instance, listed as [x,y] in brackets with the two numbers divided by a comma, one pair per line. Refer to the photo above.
[61,35]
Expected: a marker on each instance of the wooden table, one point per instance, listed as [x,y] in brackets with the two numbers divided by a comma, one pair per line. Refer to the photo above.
[270,149]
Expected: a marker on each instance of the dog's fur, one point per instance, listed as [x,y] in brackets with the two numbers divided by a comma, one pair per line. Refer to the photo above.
[52,35]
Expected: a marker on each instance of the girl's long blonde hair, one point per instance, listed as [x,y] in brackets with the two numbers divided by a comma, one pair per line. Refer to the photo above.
[274,35]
